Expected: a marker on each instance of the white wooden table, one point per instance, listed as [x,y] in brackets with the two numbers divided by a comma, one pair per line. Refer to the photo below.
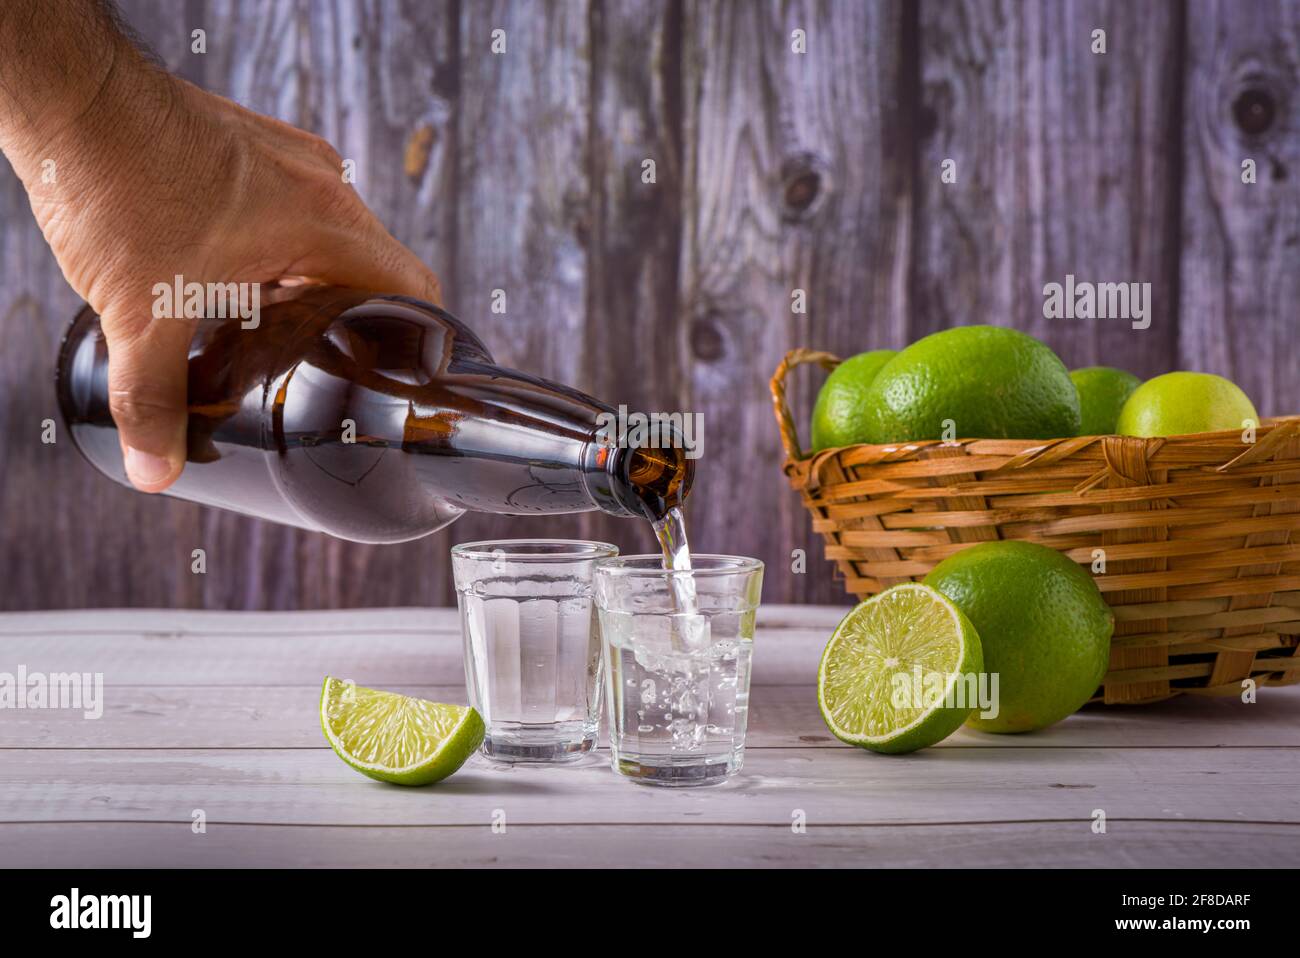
[217,712]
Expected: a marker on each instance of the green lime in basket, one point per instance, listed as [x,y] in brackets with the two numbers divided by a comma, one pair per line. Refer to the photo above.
[883,659]
[1179,404]
[839,417]
[977,382]
[396,738]
[1103,390]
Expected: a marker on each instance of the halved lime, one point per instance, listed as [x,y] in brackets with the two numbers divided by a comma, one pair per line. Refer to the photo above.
[895,674]
[395,738]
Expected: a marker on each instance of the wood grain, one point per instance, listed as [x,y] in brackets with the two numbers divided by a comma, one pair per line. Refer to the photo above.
[232,730]
[793,182]
[833,786]
[1242,241]
[177,679]
[367,77]
[522,200]
[1007,845]
[780,716]
[380,648]
[632,343]
[775,171]
[65,531]
[1066,163]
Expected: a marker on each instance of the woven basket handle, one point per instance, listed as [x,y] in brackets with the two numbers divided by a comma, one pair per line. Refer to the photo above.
[784,420]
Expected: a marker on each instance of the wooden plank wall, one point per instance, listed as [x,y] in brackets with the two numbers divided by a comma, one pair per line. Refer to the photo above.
[775,172]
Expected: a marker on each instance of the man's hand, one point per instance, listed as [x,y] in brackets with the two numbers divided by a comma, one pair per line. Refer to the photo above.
[153,177]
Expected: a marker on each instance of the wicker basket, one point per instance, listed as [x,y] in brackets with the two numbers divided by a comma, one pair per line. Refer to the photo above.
[1200,534]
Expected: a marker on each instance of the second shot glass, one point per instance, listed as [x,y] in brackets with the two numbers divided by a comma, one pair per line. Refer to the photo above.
[677,647]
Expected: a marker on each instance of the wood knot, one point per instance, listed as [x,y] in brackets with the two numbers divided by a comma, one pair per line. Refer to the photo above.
[927,122]
[708,342]
[1254,110]
[805,183]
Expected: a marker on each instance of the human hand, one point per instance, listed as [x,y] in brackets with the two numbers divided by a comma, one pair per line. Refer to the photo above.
[158,178]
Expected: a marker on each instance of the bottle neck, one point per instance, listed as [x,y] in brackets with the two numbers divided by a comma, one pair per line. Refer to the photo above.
[641,482]
[538,447]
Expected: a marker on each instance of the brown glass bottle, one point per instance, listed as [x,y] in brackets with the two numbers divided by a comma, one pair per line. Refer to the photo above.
[374,418]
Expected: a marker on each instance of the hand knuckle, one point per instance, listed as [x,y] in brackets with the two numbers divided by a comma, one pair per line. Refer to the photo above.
[322,148]
[342,208]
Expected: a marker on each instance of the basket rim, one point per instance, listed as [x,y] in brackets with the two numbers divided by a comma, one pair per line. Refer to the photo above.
[1266,423]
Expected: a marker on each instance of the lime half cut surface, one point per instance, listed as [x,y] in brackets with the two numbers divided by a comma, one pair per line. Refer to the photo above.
[893,677]
[396,738]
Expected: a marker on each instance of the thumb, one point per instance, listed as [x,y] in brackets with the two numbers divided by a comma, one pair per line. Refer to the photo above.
[147,370]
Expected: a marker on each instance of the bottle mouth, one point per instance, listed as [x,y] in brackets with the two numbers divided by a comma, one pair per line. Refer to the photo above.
[665,474]
[646,481]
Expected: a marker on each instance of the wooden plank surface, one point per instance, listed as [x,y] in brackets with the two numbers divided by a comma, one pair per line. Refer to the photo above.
[177,679]
[383,647]
[777,170]
[218,712]
[780,716]
[833,786]
[1012,844]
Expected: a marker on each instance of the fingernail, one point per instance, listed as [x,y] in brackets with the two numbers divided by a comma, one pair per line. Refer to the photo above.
[145,468]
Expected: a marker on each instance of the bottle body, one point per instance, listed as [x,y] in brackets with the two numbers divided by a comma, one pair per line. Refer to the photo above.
[371,418]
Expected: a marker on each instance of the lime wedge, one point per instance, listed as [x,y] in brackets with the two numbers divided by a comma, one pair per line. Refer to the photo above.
[395,738]
[893,677]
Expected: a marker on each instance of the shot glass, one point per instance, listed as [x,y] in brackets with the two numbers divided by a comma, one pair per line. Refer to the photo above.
[677,648]
[532,648]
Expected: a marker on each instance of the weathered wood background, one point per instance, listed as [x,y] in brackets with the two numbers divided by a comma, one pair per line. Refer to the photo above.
[776,171]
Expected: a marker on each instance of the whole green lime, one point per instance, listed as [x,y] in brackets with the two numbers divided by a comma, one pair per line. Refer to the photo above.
[1043,625]
[972,381]
[1102,393]
[839,417]
[1178,404]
